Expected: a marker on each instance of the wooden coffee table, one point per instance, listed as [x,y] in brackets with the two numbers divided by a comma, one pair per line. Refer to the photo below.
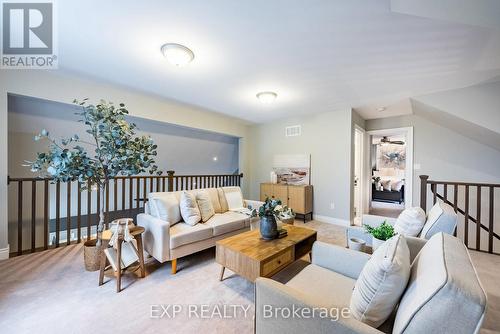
[248,255]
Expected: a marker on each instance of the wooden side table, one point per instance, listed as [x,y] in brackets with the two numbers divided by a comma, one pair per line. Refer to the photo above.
[136,232]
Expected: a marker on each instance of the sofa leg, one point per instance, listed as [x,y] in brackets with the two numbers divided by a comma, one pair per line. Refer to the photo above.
[174,266]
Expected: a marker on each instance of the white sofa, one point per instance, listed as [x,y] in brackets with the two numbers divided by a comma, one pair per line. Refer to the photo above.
[441,218]
[167,241]
[443,295]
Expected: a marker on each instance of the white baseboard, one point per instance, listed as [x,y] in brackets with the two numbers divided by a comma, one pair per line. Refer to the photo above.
[332,220]
[4,253]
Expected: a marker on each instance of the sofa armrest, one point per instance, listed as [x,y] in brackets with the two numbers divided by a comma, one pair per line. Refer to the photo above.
[415,245]
[272,297]
[156,236]
[255,204]
[341,260]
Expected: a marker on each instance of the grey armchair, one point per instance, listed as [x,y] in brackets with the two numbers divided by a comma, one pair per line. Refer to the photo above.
[444,294]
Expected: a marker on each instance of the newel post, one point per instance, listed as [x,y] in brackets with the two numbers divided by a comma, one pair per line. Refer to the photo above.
[423,192]
[170,177]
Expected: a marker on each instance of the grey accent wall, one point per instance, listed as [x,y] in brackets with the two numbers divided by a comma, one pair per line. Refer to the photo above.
[184,150]
[327,138]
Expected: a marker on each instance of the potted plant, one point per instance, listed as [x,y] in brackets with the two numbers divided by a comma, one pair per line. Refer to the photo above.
[111,148]
[376,181]
[380,234]
[267,214]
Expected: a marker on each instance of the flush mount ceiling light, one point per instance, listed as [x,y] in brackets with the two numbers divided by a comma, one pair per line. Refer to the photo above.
[267,97]
[177,54]
[380,109]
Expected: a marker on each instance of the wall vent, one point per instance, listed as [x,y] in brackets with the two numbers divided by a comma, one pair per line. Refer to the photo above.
[293,131]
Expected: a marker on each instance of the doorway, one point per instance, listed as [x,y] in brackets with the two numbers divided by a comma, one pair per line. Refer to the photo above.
[391,171]
[358,175]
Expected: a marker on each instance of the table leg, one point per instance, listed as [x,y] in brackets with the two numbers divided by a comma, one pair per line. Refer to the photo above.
[119,265]
[140,250]
[102,267]
[221,277]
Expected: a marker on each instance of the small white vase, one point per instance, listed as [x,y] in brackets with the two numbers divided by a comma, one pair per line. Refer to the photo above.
[356,244]
[376,243]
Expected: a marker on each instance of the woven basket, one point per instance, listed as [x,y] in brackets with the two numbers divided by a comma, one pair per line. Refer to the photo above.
[91,255]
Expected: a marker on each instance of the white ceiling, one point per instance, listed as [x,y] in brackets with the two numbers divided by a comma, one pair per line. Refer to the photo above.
[318,55]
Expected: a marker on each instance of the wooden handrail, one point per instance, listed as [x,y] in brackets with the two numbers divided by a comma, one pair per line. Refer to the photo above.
[464,209]
[78,212]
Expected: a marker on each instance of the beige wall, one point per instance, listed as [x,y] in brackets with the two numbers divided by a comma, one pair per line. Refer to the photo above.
[327,138]
[63,88]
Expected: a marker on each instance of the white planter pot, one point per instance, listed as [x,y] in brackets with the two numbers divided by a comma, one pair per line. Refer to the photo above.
[376,243]
[356,244]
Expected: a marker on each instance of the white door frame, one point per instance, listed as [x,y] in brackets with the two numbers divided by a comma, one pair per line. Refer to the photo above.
[408,133]
[361,209]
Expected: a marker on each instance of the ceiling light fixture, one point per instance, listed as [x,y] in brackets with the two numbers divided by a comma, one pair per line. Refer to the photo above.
[177,54]
[380,109]
[267,97]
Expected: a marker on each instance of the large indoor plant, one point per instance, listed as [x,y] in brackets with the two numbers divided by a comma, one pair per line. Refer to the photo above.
[110,147]
[380,234]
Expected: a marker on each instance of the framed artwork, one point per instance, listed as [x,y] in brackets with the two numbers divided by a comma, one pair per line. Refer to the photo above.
[293,169]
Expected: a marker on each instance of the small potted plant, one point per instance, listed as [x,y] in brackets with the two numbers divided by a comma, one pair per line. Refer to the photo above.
[380,234]
[267,214]
[376,181]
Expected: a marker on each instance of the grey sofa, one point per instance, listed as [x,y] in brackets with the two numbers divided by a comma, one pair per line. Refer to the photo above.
[441,218]
[443,295]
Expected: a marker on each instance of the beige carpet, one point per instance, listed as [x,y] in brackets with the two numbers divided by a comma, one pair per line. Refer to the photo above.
[50,292]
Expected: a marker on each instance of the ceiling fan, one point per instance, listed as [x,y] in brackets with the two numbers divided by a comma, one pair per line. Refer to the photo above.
[386,140]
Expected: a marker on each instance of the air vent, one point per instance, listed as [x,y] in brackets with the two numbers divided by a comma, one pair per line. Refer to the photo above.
[293,131]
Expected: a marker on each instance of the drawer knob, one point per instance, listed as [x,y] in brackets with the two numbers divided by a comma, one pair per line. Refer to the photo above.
[279,261]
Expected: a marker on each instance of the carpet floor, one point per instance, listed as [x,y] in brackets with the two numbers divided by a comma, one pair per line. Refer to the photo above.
[50,292]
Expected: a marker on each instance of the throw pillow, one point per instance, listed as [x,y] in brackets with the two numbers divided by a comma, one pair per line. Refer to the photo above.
[214,197]
[166,207]
[381,282]
[189,209]
[397,185]
[386,184]
[234,198]
[410,222]
[205,205]
[222,200]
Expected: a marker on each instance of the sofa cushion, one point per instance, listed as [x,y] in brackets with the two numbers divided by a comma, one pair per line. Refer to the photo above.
[222,200]
[227,222]
[214,197]
[327,288]
[234,198]
[205,205]
[165,206]
[444,294]
[381,282]
[441,218]
[183,234]
[410,222]
[189,209]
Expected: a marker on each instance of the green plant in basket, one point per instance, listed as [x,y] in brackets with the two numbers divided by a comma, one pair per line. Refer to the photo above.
[383,232]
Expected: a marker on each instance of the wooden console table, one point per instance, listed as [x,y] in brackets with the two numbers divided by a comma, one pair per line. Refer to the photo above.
[298,197]
[248,255]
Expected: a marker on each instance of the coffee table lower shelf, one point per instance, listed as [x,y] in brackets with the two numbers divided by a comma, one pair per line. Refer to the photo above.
[249,256]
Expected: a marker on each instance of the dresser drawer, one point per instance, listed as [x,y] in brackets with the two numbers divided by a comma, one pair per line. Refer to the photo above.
[274,264]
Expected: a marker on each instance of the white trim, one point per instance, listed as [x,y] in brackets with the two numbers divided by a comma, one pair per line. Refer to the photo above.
[4,253]
[331,220]
[361,181]
[408,132]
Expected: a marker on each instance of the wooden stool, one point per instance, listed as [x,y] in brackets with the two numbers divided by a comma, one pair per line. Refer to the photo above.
[136,232]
